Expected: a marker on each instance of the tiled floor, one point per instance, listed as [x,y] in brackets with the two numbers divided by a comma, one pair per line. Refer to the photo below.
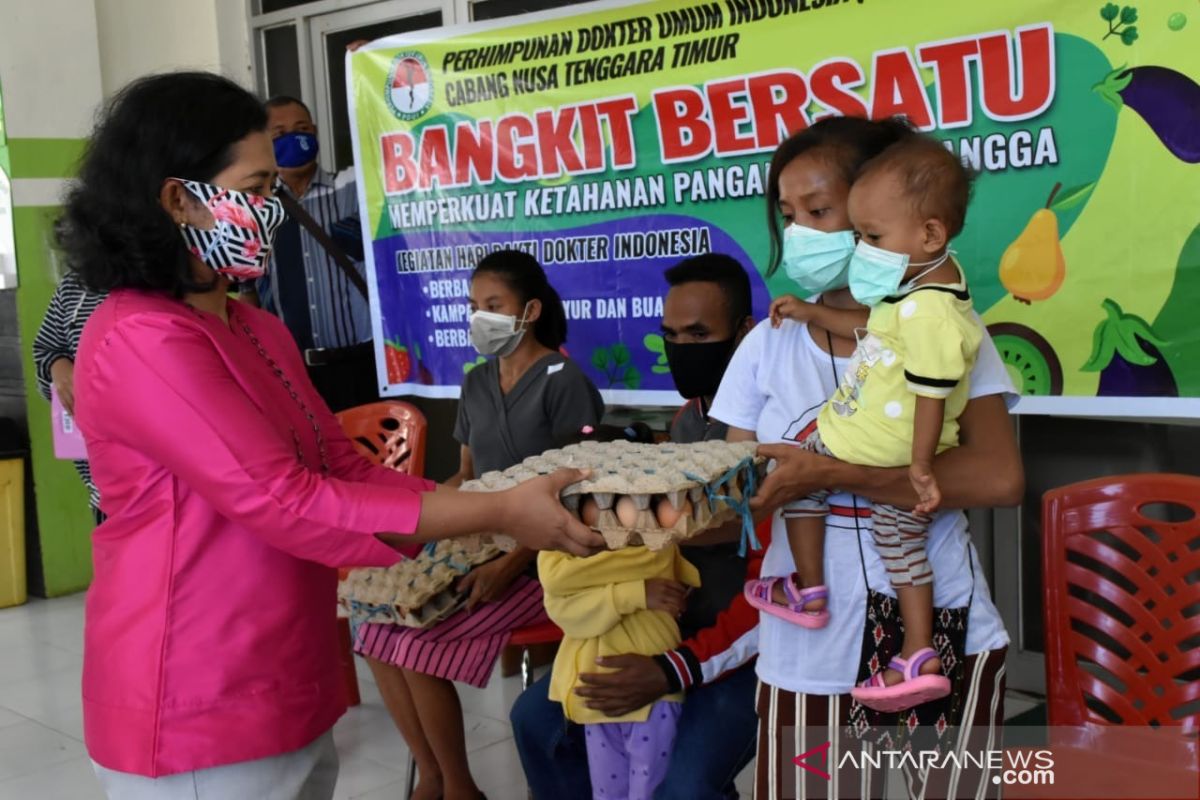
[41,726]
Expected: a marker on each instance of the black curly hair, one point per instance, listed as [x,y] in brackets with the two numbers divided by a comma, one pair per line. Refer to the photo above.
[849,142]
[113,230]
[727,273]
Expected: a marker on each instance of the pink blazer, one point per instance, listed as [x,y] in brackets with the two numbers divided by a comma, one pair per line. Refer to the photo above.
[210,633]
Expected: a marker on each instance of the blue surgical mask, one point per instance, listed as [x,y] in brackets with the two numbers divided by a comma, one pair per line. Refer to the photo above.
[817,261]
[295,149]
[876,273]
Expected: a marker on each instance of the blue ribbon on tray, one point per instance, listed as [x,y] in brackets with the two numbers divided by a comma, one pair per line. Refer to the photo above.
[749,539]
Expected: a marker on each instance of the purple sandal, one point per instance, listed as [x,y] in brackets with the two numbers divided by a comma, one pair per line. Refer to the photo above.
[758,594]
[912,690]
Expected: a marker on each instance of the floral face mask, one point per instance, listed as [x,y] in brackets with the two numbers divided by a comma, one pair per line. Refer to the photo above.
[240,240]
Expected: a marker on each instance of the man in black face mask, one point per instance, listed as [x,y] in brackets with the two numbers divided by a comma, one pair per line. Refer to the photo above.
[706,314]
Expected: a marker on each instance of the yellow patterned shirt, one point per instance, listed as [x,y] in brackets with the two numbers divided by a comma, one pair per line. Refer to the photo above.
[922,343]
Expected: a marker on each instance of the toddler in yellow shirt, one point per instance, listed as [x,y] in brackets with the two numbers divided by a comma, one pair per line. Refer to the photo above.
[898,403]
[617,602]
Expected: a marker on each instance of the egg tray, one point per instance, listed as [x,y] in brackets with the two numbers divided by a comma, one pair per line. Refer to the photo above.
[713,479]
[416,592]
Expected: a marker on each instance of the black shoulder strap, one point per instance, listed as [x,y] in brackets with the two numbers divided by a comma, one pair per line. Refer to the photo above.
[297,212]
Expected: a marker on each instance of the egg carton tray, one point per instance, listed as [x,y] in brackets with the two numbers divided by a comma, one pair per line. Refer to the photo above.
[647,494]
[416,592]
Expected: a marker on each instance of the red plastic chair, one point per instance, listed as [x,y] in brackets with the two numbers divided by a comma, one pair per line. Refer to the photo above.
[390,433]
[530,635]
[1122,620]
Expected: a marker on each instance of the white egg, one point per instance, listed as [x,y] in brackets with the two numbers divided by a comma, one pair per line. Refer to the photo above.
[589,512]
[626,512]
[668,515]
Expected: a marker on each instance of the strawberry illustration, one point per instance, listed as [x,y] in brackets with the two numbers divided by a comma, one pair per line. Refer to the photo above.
[423,373]
[399,364]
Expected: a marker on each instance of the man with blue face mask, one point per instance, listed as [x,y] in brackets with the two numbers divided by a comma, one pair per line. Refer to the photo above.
[326,313]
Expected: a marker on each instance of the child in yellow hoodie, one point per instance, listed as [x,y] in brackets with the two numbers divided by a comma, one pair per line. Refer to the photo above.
[616,602]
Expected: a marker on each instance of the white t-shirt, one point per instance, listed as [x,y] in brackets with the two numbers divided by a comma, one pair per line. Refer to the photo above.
[775,385]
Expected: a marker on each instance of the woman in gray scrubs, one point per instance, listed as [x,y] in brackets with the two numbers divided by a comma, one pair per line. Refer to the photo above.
[526,399]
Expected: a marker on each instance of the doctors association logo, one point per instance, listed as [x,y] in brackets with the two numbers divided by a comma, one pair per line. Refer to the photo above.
[410,86]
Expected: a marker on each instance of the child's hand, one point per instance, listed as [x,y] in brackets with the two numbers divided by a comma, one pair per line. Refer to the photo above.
[665,595]
[788,307]
[925,485]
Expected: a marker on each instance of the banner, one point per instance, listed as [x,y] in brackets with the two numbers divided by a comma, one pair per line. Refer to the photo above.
[613,140]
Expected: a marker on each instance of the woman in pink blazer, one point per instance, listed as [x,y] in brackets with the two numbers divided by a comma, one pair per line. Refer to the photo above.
[210,665]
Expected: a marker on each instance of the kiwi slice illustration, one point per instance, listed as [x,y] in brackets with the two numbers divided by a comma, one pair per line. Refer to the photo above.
[1031,362]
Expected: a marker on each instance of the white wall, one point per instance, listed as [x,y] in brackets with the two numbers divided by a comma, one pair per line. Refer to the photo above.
[233,41]
[49,68]
[138,37]
[60,58]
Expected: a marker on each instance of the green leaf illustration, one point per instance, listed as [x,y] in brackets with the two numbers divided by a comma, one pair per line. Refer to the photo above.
[657,345]
[470,365]
[620,354]
[1072,197]
[1109,12]
[631,378]
[1118,334]
[1129,35]
[600,358]
[654,343]
[1113,84]
[1128,15]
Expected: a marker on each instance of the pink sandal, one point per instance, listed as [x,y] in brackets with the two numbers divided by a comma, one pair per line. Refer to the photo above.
[912,690]
[758,594]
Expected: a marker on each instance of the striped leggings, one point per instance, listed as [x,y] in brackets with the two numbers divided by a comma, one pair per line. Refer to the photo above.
[840,766]
[899,533]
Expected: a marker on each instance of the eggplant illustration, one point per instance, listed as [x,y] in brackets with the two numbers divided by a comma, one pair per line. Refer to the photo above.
[1168,100]
[1125,351]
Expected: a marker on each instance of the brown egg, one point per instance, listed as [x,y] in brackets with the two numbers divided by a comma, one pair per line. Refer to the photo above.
[668,515]
[626,512]
[589,512]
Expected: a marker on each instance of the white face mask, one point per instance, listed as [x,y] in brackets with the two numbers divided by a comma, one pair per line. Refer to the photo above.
[495,334]
[816,260]
[876,273]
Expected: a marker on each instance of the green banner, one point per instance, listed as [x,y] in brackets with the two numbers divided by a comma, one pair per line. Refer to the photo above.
[614,139]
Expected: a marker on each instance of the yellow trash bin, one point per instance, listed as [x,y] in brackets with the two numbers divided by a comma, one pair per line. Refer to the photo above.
[12,532]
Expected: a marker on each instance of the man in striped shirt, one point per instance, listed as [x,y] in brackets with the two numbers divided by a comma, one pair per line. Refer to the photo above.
[305,287]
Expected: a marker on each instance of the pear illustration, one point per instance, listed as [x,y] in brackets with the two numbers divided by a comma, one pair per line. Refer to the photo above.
[1032,268]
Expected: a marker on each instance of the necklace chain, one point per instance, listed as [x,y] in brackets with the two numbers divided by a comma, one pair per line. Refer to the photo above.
[291,390]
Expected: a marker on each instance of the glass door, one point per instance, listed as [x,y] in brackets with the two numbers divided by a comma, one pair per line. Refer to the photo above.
[330,34]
